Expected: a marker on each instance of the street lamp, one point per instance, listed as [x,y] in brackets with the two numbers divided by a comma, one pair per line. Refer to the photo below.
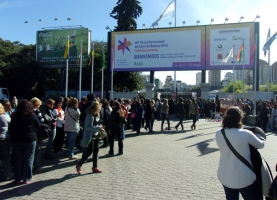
[56,19]
[242,17]
[144,26]
[41,20]
[108,28]
[258,16]
[26,22]
[197,22]
[183,23]
[212,21]
[170,24]
[226,19]
[74,21]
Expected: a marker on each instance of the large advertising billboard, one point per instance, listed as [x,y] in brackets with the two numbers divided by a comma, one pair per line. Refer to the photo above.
[223,43]
[51,46]
[159,49]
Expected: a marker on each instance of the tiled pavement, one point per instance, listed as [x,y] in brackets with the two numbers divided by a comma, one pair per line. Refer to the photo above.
[163,165]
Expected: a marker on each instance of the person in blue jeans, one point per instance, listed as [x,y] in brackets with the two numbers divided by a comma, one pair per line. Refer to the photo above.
[23,127]
[72,125]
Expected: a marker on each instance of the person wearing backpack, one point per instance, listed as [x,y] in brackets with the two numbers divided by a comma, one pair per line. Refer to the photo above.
[104,119]
[181,112]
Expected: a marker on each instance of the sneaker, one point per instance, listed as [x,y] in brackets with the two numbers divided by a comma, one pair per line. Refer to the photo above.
[73,158]
[78,168]
[109,154]
[119,154]
[96,170]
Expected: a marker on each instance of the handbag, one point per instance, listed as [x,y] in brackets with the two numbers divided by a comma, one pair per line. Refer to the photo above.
[260,166]
[133,115]
[102,133]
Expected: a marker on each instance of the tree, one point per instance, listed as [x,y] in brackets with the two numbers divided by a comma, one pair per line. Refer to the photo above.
[237,89]
[125,13]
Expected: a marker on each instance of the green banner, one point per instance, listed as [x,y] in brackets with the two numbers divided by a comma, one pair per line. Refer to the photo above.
[51,46]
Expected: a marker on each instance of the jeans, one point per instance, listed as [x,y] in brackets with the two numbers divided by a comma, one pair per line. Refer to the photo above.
[137,125]
[181,118]
[24,153]
[87,151]
[71,137]
[149,124]
[165,117]
[251,192]
[5,157]
[194,116]
[116,132]
[59,139]
[37,154]
[50,142]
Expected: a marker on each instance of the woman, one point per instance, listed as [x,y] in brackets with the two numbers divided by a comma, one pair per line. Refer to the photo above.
[37,163]
[264,115]
[89,143]
[137,120]
[23,128]
[273,118]
[71,125]
[5,144]
[149,115]
[60,134]
[193,112]
[233,174]
[8,107]
[116,122]
[165,114]
[181,112]
[105,115]
[50,119]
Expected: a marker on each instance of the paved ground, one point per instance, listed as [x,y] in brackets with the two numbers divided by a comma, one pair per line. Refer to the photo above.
[168,165]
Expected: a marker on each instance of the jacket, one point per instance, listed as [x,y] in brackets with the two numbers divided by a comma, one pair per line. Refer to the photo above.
[192,108]
[4,125]
[71,117]
[91,128]
[115,120]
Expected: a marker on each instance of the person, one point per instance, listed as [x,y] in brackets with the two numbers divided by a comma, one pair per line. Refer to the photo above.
[72,125]
[116,122]
[14,102]
[89,143]
[8,107]
[233,174]
[60,134]
[105,115]
[149,115]
[158,109]
[264,115]
[5,144]
[50,119]
[273,117]
[137,120]
[37,160]
[165,114]
[23,127]
[180,109]
[193,112]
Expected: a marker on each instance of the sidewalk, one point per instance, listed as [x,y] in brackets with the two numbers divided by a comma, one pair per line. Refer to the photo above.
[162,165]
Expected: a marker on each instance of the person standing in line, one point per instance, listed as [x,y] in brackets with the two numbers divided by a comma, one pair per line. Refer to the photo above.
[137,120]
[264,115]
[60,134]
[193,112]
[50,119]
[8,107]
[90,141]
[158,109]
[104,119]
[165,114]
[72,125]
[149,115]
[14,102]
[181,112]
[233,174]
[5,144]
[116,122]
[23,127]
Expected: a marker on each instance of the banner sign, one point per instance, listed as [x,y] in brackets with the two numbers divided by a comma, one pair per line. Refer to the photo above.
[159,49]
[223,43]
[51,46]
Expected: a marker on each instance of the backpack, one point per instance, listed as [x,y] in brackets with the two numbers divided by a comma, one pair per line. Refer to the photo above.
[107,114]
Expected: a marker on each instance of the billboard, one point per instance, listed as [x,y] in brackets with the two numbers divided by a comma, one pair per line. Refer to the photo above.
[171,49]
[51,47]
[220,39]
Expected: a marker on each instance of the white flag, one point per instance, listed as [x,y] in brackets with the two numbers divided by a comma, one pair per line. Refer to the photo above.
[229,55]
[167,14]
[269,42]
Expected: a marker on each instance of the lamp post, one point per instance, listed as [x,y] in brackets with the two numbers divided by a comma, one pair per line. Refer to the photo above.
[212,20]
[56,19]
[257,17]
[184,22]
[26,22]
[226,19]
[41,20]
[70,19]
[197,22]
[108,28]
[242,17]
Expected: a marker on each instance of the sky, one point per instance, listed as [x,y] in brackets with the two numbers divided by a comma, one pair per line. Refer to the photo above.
[95,15]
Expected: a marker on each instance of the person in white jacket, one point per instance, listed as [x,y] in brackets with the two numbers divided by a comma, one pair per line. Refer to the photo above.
[233,174]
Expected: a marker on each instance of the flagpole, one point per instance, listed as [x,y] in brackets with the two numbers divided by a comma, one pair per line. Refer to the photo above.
[268,70]
[175,81]
[111,95]
[80,70]
[102,85]
[255,67]
[233,77]
[66,73]
[92,66]
[243,72]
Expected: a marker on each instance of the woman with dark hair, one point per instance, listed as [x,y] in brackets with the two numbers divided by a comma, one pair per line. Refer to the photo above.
[264,115]
[233,174]
[149,115]
[138,109]
[181,112]
[90,143]
[23,128]
[104,119]
[116,122]
[193,112]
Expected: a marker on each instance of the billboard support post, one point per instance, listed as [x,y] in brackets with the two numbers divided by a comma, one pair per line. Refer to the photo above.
[80,71]
[92,66]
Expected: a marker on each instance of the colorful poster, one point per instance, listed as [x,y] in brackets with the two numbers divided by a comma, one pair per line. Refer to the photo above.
[223,43]
[158,49]
[51,46]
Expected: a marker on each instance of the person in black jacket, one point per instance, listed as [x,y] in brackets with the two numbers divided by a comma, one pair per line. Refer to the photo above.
[180,109]
[23,128]
[116,122]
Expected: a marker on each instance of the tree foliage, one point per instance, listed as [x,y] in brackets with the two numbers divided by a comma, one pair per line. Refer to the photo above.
[237,89]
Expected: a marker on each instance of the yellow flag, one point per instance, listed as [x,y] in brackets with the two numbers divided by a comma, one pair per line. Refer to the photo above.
[66,51]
